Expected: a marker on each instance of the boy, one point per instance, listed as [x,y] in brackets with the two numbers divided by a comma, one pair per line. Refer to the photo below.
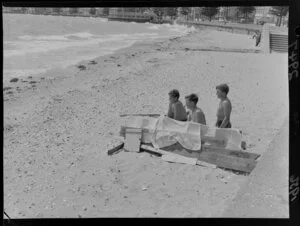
[176,109]
[224,110]
[195,114]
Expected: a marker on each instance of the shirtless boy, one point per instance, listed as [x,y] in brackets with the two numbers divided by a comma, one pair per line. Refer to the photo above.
[195,114]
[176,109]
[224,110]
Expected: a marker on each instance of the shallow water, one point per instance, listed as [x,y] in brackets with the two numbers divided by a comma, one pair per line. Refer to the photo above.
[36,43]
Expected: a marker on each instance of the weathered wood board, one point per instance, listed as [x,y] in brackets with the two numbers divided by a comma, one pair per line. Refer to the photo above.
[241,154]
[242,163]
[229,162]
[115,149]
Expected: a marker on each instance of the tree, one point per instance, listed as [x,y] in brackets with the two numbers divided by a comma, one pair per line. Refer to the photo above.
[158,11]
[185,11]
[57,10]
[105,11]
[279,11]
[92,11]
[246,10]
[74,10]
[171,11]
[197,12]
[40,10]
[209,12]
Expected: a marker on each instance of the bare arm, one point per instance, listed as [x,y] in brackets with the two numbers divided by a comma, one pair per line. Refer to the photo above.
[170,112]
[227,110]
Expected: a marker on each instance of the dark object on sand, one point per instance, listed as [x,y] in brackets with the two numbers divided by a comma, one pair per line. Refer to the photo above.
[9,92]
[81,67]
[32,82]
[29,76]
[14,80]
[119,65]
[92,62]
[115,149]
[7,88]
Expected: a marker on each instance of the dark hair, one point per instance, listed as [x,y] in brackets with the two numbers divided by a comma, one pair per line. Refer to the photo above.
[174,93]
[192,97]
[223,87]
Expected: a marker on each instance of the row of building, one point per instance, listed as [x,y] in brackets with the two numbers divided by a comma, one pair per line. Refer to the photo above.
[144,14]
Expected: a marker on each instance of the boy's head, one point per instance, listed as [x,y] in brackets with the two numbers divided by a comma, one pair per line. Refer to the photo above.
[222,90]
[191,100]
[174,95]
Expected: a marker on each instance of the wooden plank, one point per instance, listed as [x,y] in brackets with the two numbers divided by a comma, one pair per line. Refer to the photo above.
[179,159]
[202,163]
[150,115]
[229,152]
[133,140]
[171,156]
[115,149]
[155,150]
[229,162]
[178,149]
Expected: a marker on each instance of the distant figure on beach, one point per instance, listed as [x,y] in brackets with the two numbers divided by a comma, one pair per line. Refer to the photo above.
[257,36]
[176,109]
[195,114]
[224,110]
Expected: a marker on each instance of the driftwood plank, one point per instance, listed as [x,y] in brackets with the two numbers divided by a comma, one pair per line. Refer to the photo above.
[155,150]
[115,149]
[179,159]
[173,157]
[150,115]
[229,162]
[229,152]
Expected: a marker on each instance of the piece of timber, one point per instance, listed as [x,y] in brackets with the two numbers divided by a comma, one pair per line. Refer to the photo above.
[155,150]
[171,156]
[229,152]
[115,149]
[179,159]
[150,115]
[229,162]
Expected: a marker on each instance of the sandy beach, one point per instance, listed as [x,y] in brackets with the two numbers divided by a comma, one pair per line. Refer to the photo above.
[58,127]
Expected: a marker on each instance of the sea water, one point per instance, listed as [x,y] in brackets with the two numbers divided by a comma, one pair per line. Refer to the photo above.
[34,44]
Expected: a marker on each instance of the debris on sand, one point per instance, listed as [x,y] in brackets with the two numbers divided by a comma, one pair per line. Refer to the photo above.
[14,80]
[7,88]
[92,62]
[81,67]
[9,92]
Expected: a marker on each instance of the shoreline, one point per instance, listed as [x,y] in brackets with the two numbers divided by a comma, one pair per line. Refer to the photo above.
[57,134]
[70,68]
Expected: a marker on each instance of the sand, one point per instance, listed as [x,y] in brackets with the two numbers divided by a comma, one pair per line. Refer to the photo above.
[57,131]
